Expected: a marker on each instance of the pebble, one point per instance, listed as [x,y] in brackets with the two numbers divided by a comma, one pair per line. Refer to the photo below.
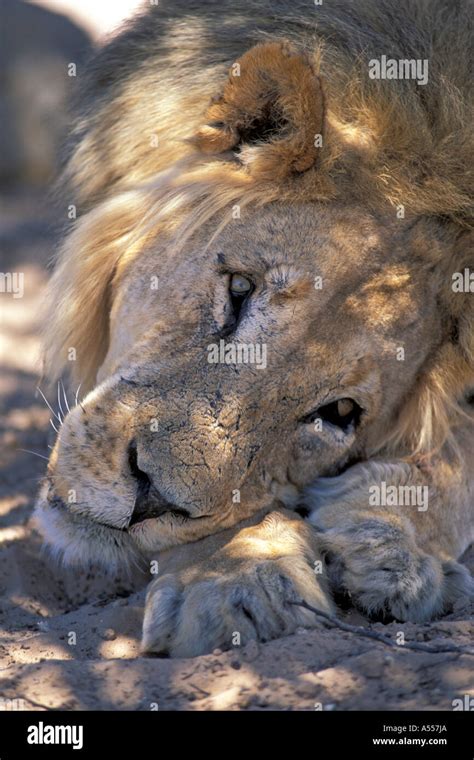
[109,634]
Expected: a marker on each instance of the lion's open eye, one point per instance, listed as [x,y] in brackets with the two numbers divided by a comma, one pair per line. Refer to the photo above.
[240,285]
[341,413]
[240,288]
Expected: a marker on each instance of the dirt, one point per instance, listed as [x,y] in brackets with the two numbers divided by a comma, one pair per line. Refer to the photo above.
[70,640]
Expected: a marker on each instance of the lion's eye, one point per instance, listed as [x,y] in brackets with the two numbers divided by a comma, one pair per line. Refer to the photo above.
[240,288]
[341,413]
[240,285]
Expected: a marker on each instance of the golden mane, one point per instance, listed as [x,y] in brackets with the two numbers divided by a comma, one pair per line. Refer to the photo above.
[396,142]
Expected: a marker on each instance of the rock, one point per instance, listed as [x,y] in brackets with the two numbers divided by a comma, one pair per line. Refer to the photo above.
[109,634]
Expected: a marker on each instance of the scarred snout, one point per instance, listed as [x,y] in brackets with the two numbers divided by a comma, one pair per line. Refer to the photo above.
[153,468]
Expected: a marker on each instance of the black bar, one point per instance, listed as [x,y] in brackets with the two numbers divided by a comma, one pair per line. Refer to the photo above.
[445,734]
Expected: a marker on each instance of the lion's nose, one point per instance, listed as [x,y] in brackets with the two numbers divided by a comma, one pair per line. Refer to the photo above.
[148,500]
[148,503]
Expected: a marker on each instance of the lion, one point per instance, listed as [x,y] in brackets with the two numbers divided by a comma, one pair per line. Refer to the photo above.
[265,299]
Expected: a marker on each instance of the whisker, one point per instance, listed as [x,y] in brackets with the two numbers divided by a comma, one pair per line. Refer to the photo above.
[65,397]
[61,410]
[53,425]
[48,404]
[77,393]
[27,451]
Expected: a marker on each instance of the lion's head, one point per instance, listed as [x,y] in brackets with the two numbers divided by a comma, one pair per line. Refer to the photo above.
[255,318]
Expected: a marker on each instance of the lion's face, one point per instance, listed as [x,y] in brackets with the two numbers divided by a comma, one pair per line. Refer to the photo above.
[237,375]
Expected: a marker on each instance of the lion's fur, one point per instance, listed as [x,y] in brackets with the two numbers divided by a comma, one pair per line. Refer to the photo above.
[383,145]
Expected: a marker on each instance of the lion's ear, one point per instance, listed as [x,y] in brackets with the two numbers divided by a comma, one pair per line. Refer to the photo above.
[271,111]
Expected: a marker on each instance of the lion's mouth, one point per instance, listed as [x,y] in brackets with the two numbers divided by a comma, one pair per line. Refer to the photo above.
[153,508]
[152,512]
[150,504]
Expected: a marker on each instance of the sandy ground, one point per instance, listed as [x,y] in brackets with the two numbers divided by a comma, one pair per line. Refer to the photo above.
[71,640]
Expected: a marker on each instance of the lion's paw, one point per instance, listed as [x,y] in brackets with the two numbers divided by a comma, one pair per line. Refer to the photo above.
[378,563]
[254,601]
